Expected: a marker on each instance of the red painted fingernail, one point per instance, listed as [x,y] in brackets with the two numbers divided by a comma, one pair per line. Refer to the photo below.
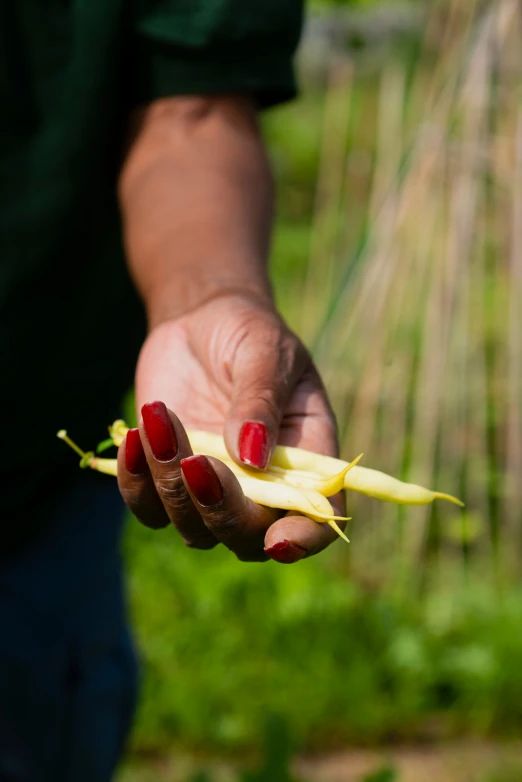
[160,432]
[202,480]
[286,552]
[135,459]
[254,444]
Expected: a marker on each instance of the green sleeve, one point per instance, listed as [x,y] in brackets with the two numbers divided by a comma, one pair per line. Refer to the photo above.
[188,47]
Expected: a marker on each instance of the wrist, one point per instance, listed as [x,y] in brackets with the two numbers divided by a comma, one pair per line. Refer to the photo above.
[188,293]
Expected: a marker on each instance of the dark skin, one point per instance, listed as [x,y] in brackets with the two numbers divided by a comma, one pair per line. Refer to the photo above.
[197,199]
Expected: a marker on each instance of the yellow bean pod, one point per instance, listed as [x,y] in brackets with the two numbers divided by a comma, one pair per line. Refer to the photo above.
[214,445]
[380,486]
[289,461]
[296,480]
[107,466]
[282,497]
[257,486]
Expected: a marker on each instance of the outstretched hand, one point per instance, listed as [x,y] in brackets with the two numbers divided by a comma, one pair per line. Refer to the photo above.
[232,367]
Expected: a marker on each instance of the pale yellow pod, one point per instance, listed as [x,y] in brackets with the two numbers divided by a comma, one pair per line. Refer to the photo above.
[208,443]
[326,487]
[383,487]
[302,468]
[290,458]
[107,466]
[295,465]
[117,431]
[277,495]
[214,445]
[259,487]
[273,495]
[262,487]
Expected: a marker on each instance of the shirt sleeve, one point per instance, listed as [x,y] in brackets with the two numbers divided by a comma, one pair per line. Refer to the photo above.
[188,47]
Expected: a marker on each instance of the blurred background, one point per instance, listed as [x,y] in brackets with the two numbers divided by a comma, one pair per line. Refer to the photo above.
[398,258]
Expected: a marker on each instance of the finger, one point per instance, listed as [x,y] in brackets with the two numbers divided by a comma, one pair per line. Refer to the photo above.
[265,372]
[165,444]
[295,537]
[136,484]
[234,519]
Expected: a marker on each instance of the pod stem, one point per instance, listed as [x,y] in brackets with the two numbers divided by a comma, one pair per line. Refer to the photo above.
[62,435]
[86,458]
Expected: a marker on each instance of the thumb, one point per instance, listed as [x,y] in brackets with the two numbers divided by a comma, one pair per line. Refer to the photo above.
[266,369]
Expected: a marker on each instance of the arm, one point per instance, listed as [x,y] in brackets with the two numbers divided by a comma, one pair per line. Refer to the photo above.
[196,197]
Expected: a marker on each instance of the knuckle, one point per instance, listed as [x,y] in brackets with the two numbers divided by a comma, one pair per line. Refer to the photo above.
[173,492]
[227,527]
[265,397]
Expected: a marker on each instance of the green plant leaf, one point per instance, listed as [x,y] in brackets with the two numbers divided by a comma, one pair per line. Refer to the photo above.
[104,445]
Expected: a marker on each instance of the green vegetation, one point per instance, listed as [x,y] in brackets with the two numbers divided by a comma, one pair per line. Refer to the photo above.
[227,643]
[397,256]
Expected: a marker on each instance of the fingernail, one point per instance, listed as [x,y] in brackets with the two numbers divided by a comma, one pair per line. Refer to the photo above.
[202,480]
[286,552]
[160,432]
[254,444]
[135,459]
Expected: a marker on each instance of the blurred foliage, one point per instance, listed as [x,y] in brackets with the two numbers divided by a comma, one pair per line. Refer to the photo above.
[510,773]
[415,633]
[386,774]
[225,643]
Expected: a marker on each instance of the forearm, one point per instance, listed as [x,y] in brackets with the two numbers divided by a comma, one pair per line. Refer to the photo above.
[196,199]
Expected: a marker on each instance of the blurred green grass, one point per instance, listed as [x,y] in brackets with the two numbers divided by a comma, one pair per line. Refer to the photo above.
[414,633]
[226,643]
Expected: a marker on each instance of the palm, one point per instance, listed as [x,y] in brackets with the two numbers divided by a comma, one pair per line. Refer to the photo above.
[200,391]
[169,370]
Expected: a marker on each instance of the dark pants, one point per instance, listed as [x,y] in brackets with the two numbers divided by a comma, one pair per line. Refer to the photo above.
[67,666]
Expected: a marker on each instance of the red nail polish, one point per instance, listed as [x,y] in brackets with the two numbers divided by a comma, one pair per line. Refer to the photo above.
[254,444]
[135,459]
[286,552]
[160,432]
[202,480]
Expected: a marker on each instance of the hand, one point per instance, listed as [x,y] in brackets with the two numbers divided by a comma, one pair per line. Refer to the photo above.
[230,362]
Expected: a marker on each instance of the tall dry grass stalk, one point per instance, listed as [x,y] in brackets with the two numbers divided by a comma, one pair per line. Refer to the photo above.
[419,332]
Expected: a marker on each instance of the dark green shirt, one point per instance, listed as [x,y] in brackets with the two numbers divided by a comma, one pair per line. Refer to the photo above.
[71,71]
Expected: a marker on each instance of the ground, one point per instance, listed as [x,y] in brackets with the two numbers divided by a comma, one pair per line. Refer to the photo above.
[463,761]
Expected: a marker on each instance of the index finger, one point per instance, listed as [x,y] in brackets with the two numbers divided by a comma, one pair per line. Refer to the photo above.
[166,443]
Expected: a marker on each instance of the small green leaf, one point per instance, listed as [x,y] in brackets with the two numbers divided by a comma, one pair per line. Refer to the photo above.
[104,445]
